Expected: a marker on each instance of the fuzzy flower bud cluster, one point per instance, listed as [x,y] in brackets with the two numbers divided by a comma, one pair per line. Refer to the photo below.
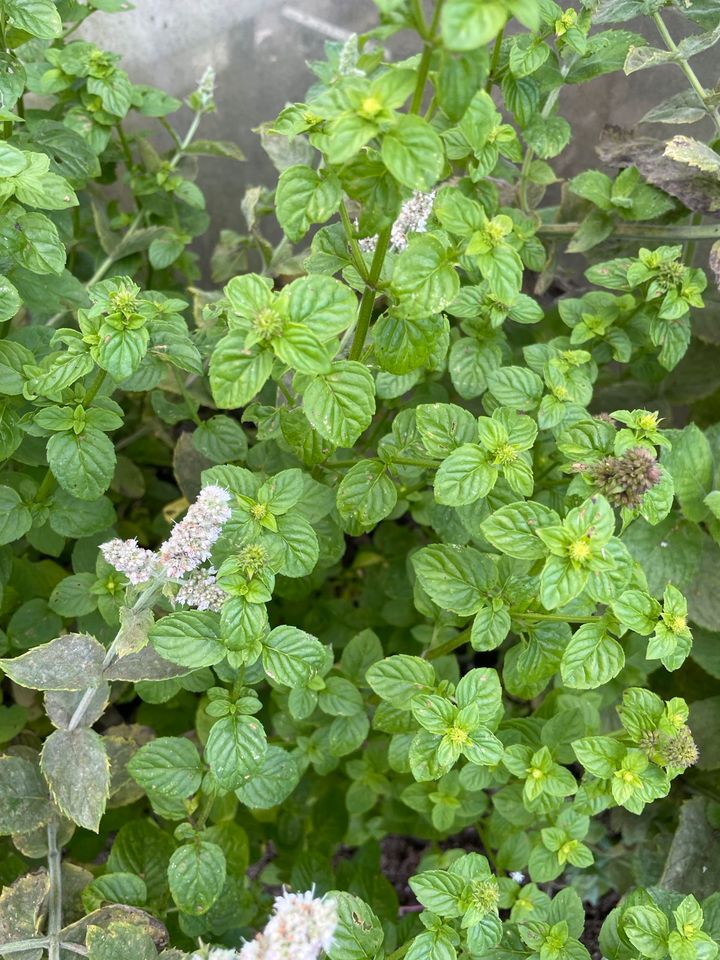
[199,590]
[192,539]
[678,750]
[137,563]
[624,480]
[413,218]
[301,927]
[681,750]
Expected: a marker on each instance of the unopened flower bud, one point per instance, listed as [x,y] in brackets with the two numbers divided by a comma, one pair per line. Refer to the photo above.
[624,480]
[681,750]
[605,418]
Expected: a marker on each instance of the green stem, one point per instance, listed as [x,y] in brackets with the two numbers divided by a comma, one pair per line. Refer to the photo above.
[494,61]
[186,141]
[419,18]
[461,638]
[692,77]
[46,487]
[112,257]
[144,602]
[187,399]
[432,107]
[399,460]
[452,644]
[104,266]
[400,952]
[20,946]
[285,392]
[92,390]
[415,462]
[125,146]
[374,434]
[547,109]
[422,76]
[641,231]
[530,153]
[171,130]
[486,846]
[355,251]
[368,298]
[207,805]
[55,895]
[132,437]
[551,617]
[135,223]
[76,25]
[690,245]
[367,301]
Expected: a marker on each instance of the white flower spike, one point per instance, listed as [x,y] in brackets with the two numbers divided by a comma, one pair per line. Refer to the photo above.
[301,927]
[192,539]
[199,590]
[137,563]
[413,217]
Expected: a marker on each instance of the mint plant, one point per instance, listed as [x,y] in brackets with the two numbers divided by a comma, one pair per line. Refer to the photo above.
[405,531]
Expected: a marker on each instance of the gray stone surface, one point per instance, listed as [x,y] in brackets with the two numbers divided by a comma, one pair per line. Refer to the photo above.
[259,49]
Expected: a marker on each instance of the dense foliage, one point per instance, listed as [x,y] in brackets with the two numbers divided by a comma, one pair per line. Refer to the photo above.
[410,530]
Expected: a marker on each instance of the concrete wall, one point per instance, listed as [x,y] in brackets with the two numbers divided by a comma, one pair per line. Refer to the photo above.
[259,50]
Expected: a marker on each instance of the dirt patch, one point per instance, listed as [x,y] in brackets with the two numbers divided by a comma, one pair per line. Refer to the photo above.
[594,918]
[401,858]
[399,861]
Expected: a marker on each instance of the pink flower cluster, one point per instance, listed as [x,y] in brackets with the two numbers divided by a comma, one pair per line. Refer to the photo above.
[192,539]
[301,927]
[199,590]
[137,563]
[186,548]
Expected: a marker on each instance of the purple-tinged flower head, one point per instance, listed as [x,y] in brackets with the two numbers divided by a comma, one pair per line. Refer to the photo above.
[301,927]
[198,589]
[137,563]
[413,217]
[605,418]
[624,480]
[192,539]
